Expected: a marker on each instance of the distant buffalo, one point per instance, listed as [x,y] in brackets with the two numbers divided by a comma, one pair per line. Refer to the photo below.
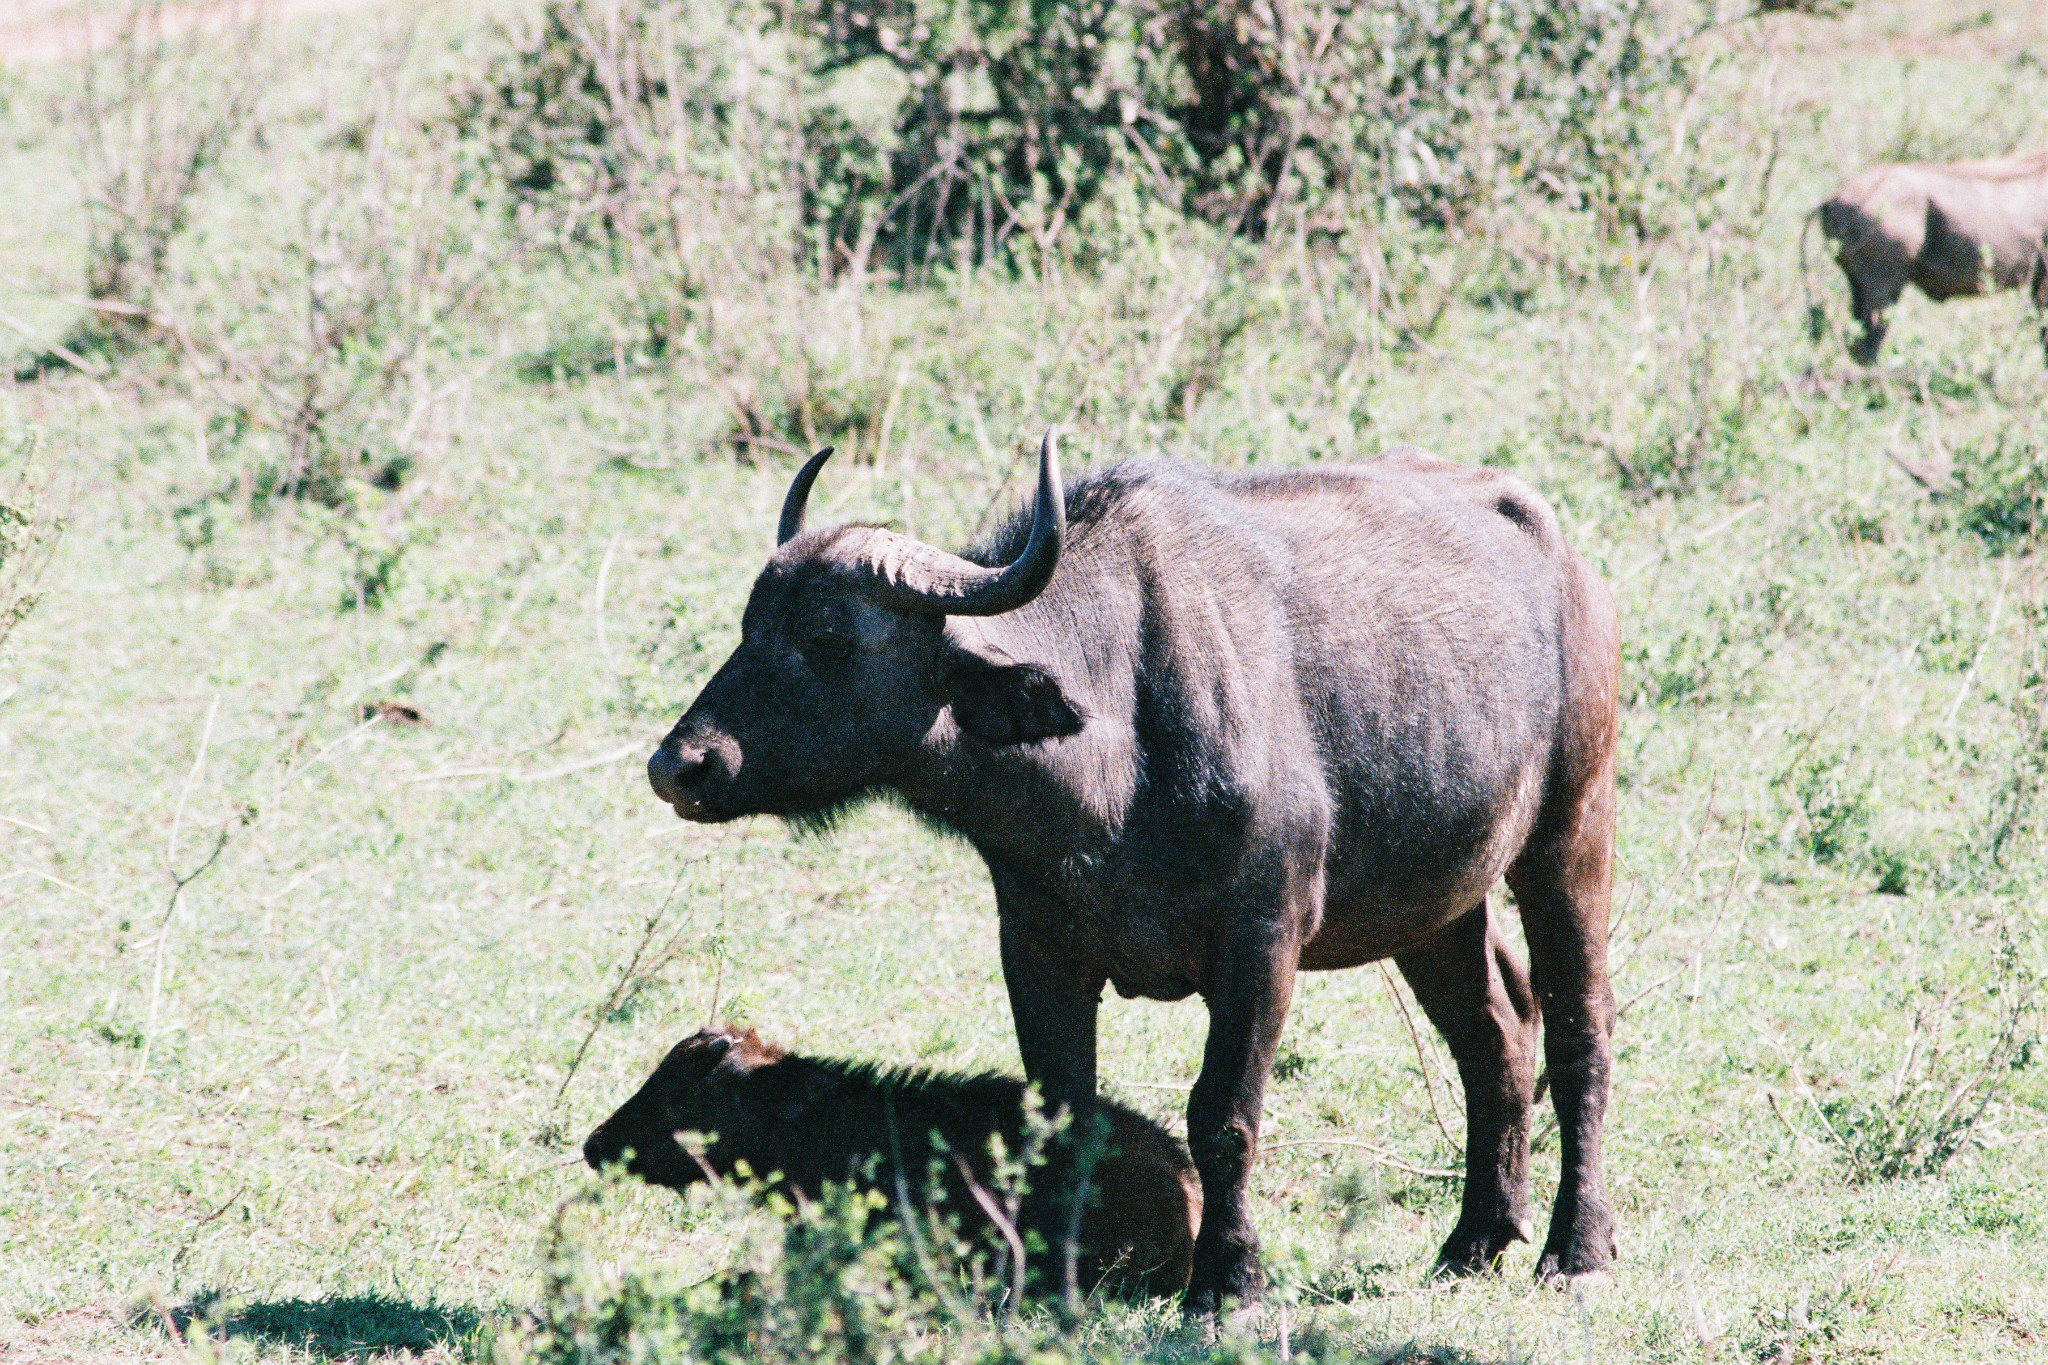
[1953,231]
[1209,730]
[813,1120]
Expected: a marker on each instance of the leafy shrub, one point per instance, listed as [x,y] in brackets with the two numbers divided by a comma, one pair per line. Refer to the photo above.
[28,528]
[833,1282]
[320,358]
[644,143]
[1451,109]
[1947,1084]
[2000,492]
[928,129]
[152,117]
[841,1286]
[1716,659]
[1833,805]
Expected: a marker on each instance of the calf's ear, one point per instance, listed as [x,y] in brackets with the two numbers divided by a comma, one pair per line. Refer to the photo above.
[1000,702]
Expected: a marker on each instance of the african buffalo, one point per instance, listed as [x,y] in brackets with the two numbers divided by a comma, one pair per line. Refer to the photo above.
[1207,730]
[1954,231]
[812,1120]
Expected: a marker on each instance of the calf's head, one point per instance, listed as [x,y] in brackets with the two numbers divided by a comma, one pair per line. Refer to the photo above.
[846,662]
[707,1084]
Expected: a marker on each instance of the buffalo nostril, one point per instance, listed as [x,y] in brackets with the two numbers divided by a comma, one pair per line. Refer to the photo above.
[674,767]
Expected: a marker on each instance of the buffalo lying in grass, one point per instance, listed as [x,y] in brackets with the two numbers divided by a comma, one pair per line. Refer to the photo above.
[1952,231]
[814,1120]
[1208,730]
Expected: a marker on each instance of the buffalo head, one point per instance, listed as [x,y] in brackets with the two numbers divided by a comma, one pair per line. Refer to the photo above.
[847,666]
[707,1084]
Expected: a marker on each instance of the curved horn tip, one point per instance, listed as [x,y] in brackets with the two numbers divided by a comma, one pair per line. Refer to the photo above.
[1049,469]
[799,494]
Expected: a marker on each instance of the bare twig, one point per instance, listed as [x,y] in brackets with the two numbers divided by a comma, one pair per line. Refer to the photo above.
[1380,1155]
[1990,632]
[604,570]
[178,885]
[926,1262]
[55,348]
[191,1237]
[1006,1227]
[624,751]
[56,881]
[638,967]
[53,1108]
[1422,1058]
[1714,930]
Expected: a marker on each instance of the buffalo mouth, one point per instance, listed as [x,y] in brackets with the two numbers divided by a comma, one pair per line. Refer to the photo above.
[695,810]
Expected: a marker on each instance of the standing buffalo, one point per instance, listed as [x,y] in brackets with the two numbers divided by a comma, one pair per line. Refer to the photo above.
[1207,731]
[1955,231]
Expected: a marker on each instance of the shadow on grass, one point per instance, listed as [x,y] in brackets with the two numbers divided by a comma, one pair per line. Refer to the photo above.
[350,1327]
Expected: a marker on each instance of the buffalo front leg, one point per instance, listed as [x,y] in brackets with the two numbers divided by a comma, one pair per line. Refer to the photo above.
[1250,988]
[1476,992]
[1870,299]
[1053,1002]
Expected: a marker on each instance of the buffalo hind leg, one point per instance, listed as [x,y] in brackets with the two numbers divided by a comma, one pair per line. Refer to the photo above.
[1562,884]
[2037,286]
[1473,989]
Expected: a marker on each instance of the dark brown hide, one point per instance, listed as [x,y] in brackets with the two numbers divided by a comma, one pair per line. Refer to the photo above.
[1952,231]
[1254,724]
[814,1121]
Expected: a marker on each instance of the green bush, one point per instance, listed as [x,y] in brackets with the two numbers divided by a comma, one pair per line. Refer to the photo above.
[320,357]
[2000,492]
[842,1286]
[835,1281]
[28,528]
[919,131]
[1961,1056]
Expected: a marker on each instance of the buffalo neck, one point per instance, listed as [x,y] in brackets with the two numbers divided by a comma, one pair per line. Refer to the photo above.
[1063,798]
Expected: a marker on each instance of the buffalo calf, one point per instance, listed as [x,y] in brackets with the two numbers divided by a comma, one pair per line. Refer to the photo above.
[815,1120]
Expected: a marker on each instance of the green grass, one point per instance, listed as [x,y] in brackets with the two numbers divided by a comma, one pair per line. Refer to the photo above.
[320,1102]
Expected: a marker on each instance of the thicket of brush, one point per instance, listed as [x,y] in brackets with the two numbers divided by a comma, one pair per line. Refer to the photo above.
[802,217]
[764,203]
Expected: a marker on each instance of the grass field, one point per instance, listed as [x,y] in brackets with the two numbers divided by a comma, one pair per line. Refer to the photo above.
[308,1004]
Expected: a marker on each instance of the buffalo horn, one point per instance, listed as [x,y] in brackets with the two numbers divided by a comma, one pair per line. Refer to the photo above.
[930,580]
[799,494]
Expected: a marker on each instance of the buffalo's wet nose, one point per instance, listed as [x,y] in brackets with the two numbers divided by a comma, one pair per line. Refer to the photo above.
[687,773]
[598,1149]
[674,768]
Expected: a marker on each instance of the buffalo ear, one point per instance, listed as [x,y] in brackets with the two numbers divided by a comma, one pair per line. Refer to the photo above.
[1006,703]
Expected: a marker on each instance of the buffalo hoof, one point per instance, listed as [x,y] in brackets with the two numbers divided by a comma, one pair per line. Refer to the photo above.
[1478,1251]
[1580,1262]
[1212,1306]
[1232,1289]
[1210,1324]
